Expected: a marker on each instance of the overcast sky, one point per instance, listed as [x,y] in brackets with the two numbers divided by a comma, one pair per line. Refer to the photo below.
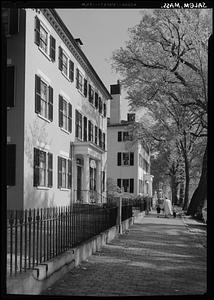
[102,31]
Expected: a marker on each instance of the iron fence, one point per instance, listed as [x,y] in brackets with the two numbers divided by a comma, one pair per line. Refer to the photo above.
[38,235]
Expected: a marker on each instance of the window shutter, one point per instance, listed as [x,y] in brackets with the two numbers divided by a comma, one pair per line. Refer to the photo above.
[104,141]
[11,164]
[69,117]
[100,138]
[60,58]
[76,123]
[77,78]
[100,105]
[71,70]
[50,169]
[131,158]
[50,103]
[89,92]
[96,100]
[69,174]
[89,130]
[52,48]
[131,185]
[10,86]
[60,111]
[104,109]
[119,182]
[59,172]
[37,94]
[37,31]
[85,129]
[36,167]
[119,136]
[85,87]
[14,21]
[119,158]
[95,140]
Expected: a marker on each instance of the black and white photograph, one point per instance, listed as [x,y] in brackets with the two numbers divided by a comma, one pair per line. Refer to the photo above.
[106,158]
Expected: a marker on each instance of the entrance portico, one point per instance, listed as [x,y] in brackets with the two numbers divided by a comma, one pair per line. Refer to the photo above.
[87,172]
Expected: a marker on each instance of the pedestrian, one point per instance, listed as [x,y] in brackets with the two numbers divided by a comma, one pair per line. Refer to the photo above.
[158,210]
[167,206]
[174,212]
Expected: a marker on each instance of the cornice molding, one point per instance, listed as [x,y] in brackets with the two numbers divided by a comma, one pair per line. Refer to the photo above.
[74,51]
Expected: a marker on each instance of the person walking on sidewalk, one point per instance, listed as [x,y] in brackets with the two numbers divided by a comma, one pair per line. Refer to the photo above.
[158,210]
[167,206]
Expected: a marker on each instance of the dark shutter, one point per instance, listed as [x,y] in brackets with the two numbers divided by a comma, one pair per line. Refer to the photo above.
[104,141]
[76,123]
[69,117]
[119,158]
[119,136]
[85,129]
[60,58]
[10,86]
[96,100]
[69,174]
[50,104]
[71,70]
[89,92]
[37,31]
[89,130]
[59,172]
[131,185]
[100,138]
[100,105]
[52,48]
[37,94]
[14,21]
[95,140]
[11,164]
[77,78]
[119,182]
[60,111]
[36,167]
[85,87]
[50,169]
[104,109]
[131,158]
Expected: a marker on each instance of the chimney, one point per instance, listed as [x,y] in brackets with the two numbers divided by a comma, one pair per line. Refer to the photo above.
[79,42]
[115,114]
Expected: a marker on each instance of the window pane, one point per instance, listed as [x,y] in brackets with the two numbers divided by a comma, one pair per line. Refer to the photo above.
[43,39]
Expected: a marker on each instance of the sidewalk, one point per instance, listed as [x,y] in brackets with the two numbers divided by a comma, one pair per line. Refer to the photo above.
[157,256]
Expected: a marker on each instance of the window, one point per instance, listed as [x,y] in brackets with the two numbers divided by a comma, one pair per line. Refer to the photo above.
[92,179]
[124,136]
[78,125]
[11,164]
[79,80]
[91,94]
[43,98]
[10,20]
[44,40]
[64,173]
[66,65]
[141,186]
[125,159]
[126,184]
[100,105]
[10,86]
[43,164]
[131,117]
[65,114]
[90,131]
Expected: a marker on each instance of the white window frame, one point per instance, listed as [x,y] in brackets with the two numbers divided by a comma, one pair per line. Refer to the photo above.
[45,187]
[46,53]
[122,159]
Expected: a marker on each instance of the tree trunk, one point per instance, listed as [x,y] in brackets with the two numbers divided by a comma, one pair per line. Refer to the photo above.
[200,194]
[187,180]
[181,194]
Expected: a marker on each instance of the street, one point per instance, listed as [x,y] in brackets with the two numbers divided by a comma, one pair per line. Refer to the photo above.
[157,256]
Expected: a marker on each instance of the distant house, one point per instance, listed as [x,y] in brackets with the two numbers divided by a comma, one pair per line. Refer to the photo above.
[56,114]
[128,159]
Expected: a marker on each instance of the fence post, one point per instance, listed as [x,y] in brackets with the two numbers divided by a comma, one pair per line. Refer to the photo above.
[119,213]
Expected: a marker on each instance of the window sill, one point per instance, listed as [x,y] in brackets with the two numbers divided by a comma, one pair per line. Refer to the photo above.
[45,54]
[43,118]
[81,93]
[66,76]
[64,130]
[43,188]
[64,189]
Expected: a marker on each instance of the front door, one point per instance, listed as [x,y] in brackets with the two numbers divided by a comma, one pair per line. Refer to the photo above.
[79,183]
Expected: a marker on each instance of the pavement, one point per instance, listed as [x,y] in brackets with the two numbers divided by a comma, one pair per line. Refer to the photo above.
[156,256]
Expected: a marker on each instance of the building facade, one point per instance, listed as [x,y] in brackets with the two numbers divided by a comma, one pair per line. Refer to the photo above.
[56,114]
[128,159]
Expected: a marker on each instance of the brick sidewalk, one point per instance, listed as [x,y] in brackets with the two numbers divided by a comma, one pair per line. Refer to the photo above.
[158,256]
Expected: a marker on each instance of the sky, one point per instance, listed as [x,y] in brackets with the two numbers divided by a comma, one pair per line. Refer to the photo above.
[102,31]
